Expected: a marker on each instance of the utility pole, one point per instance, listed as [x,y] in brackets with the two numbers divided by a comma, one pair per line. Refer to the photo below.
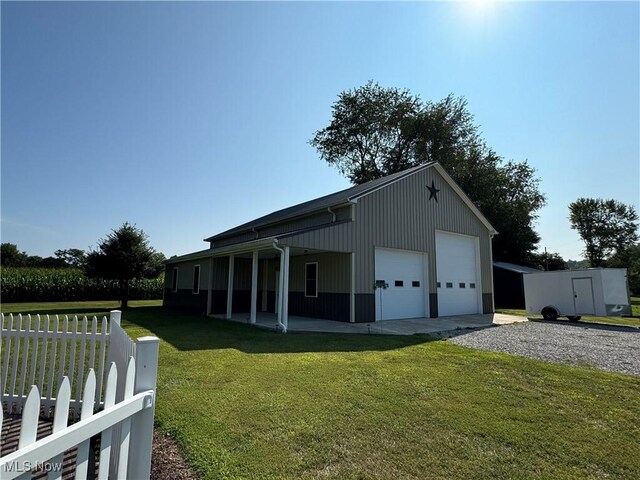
[546,260]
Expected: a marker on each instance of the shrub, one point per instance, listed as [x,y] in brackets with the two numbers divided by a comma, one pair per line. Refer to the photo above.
[68,284]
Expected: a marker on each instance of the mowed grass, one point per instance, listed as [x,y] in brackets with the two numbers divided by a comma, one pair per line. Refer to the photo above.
[635,311]
[250,403]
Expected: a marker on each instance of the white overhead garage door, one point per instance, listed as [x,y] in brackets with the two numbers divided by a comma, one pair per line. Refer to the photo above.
[458,282]
[404,274]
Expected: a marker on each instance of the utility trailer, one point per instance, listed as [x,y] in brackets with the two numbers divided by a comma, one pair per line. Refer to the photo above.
[601,292]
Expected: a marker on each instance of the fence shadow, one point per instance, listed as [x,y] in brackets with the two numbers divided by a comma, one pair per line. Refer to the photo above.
[195,332]
[64,311]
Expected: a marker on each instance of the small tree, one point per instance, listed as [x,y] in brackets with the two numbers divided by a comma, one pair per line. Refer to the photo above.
[605,226]
[125,255]
[548,261]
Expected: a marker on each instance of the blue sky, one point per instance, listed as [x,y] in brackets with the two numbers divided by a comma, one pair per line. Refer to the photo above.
[190,118]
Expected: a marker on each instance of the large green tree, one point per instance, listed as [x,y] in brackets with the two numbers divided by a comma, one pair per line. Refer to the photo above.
[376,131]
[125,255]
[607,227]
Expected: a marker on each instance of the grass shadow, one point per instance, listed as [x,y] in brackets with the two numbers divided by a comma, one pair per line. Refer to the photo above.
[189,332]
[459,332]
[594,325]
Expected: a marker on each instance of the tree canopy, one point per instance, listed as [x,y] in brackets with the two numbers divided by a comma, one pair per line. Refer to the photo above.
[607,227]
[72,257]
[10,256]
[378,131]
[628,258]
[124,255]
[549,261]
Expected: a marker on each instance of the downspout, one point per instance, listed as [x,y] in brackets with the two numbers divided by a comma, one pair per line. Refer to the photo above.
[253,229]
[280,287]
[332,213]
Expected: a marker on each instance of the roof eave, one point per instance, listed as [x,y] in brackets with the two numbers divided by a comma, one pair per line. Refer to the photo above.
[224,235]
[243,247]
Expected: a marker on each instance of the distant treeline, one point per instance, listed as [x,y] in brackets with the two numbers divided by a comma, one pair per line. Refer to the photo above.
[11,256]
[68,284]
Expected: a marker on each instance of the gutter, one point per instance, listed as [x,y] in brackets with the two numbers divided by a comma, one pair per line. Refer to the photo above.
[332,213]
[280,287]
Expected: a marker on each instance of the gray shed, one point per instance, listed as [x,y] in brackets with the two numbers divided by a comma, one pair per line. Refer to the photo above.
[508,284]
[409,245]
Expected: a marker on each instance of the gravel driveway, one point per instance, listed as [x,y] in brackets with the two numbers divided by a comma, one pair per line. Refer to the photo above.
[612,348]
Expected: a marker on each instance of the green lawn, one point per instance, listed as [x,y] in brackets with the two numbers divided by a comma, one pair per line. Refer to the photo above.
[250,403]
[635,311]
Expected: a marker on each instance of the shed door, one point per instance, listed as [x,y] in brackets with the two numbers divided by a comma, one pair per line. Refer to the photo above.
[458,280]
[404,274]
[583,296]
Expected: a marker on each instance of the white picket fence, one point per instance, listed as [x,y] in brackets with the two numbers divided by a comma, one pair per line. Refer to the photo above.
[46,355]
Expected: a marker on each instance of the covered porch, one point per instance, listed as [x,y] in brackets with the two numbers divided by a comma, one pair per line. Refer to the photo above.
[267,282]
[409,326]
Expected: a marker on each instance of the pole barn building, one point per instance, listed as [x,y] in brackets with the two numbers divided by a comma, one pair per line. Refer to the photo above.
[409,245]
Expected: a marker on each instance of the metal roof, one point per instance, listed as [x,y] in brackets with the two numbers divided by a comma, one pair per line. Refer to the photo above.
[248,246]
[515,268]
[322,203]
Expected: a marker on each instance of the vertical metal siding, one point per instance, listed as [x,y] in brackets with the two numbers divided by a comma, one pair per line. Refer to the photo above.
[220,273]
[241,274]
[401,216]
[185,274]
[333,272]
[314,220]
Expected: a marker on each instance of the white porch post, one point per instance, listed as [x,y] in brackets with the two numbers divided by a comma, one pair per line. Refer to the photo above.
[285,289]
[209,286]
[230,287]
[254,287]
[280,288]
[265,283]
[352,293]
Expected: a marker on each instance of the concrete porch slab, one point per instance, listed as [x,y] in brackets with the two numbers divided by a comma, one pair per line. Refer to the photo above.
[409,326]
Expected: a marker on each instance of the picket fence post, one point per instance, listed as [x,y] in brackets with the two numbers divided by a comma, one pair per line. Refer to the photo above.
[115,316]
[142,423]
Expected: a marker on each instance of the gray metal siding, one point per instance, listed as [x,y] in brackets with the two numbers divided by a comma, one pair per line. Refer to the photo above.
[316,220]
[401,216]
[334,270]
[220,273]
[185,274]
[244,237]
[241,273]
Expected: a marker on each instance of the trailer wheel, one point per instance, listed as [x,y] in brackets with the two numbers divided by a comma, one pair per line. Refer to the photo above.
[549,313]
[574,318]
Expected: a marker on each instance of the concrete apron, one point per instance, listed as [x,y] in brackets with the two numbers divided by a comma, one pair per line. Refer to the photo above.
[409,326]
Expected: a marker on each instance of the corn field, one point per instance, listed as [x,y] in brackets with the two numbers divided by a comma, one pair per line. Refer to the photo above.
[68,284]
